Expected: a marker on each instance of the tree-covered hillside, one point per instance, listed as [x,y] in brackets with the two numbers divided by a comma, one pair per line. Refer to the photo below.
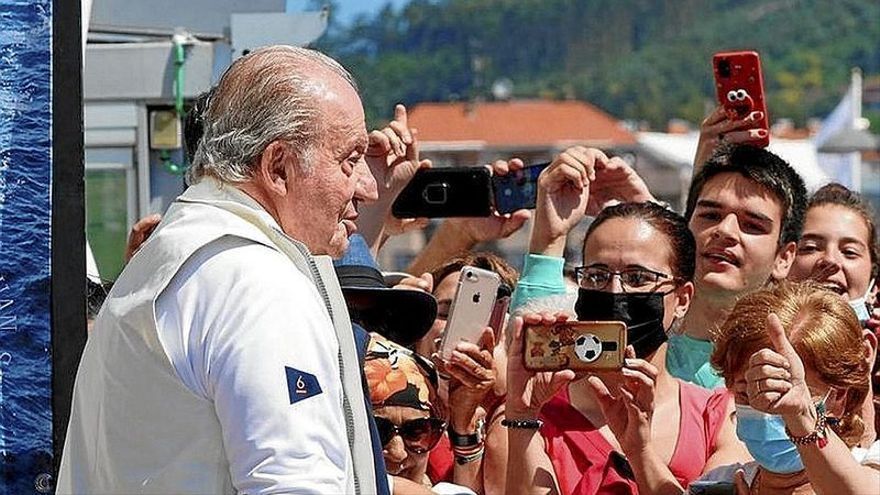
[640,60]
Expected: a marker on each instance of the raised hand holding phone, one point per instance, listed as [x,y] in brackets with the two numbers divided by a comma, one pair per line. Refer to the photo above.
[528,391]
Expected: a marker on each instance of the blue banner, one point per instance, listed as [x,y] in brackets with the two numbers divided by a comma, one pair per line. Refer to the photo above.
[25,220]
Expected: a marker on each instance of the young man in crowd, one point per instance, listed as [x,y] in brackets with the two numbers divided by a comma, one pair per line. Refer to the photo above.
[746,210]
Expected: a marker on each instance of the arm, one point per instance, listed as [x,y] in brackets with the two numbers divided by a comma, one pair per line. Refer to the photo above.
[247,358]
[541,276]
[496,458]
[629,415]
[530,471]
[447,241]
[728,449]
[472,375]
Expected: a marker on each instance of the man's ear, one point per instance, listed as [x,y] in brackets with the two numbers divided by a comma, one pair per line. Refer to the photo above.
[275,166]
[784,259]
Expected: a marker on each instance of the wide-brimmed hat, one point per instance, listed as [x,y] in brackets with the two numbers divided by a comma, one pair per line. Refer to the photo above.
[401,315]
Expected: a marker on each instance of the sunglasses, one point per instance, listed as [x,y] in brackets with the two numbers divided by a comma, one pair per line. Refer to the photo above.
[419,435]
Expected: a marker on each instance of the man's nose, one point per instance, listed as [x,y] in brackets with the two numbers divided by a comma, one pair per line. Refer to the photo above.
[365,187]
[728,227]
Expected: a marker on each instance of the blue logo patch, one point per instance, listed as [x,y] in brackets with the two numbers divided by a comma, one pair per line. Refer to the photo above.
[301,385]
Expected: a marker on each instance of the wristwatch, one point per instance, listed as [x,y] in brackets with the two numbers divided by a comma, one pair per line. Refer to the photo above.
[471,440]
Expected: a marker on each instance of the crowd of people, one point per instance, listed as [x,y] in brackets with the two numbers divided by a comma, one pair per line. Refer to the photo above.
[253,345]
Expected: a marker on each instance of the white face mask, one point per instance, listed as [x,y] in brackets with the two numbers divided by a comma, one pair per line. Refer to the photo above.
[860,305]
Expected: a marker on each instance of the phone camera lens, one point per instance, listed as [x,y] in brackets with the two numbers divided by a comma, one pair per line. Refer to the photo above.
[724,68]
[435,194]
[470,276]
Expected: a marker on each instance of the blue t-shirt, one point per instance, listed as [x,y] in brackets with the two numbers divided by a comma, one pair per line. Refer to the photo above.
[688,358]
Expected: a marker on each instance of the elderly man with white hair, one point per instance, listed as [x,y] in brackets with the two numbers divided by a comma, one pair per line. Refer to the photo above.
[223,359]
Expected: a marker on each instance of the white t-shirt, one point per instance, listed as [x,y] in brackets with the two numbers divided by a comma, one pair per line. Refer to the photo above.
[247,331]
[865,457]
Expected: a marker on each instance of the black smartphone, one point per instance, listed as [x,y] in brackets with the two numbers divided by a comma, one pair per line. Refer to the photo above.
[518,189]
[446,192]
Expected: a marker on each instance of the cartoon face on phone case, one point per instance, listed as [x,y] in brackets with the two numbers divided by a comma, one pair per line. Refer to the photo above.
[739,104]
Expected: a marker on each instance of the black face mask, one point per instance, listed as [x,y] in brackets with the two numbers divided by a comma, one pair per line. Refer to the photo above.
[642,313]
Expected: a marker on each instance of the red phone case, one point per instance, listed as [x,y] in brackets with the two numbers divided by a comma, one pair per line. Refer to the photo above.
[739,86]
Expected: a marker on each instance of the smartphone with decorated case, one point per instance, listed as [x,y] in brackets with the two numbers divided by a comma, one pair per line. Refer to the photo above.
[575,345]
[739,87]
[471,308]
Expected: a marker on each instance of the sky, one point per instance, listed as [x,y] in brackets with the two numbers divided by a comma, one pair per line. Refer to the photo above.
[348,9]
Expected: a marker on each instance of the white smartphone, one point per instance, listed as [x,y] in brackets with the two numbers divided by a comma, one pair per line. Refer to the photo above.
[471,308]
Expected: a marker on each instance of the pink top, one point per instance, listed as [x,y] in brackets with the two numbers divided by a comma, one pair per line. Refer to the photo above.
[586,464]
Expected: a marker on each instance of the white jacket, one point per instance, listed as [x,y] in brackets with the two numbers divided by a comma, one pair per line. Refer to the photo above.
[251,381]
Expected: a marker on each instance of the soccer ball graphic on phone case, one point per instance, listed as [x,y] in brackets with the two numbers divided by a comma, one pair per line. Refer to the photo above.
[576,345]
[588,348]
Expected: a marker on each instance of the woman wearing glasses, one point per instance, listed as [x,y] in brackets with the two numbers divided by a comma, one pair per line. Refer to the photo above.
[403,392]
[638,430]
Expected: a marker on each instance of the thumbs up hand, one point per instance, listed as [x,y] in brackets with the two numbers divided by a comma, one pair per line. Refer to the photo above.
[775,381]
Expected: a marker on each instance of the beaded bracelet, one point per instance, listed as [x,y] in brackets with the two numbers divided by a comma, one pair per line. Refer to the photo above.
[524,424]
[464,459]
[817,436]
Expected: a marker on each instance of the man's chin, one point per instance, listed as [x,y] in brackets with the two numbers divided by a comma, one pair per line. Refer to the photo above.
[719,284]
[338,246]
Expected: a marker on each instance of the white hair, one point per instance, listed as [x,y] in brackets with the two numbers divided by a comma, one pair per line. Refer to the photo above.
[273,93]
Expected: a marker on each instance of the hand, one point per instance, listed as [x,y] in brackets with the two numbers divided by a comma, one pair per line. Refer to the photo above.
[739,483]
[629,414]
[775,381]
[393,155]
[718,129]
[496,226]
[139,233]
[472,373]
[616,181]
[528,391]
[563,194]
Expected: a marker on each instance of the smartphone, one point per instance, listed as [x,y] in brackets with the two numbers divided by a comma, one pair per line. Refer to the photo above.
[499,311]
[518,189]
[711,488]
[471,308]
[575,345]
[739,86]
[446,192]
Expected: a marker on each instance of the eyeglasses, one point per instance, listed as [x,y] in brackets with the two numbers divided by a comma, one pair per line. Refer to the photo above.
[631,279]
[419,435]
